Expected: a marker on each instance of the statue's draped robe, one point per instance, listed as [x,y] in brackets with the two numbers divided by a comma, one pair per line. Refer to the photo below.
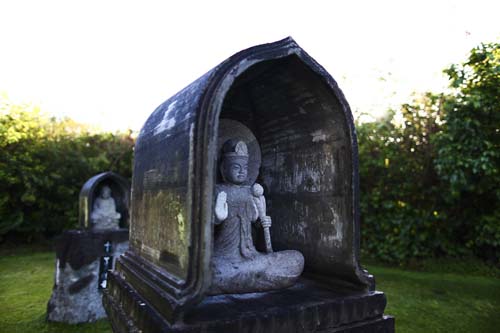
[237,267]
[233,237]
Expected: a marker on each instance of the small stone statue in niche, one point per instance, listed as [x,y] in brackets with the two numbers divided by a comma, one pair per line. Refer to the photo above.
[237,267]
[104,215]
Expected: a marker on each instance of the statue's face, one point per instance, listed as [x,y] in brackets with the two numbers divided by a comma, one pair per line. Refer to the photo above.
[106,192]
[235,170]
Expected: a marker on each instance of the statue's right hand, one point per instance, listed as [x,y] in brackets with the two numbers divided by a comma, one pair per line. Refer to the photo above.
[221,209]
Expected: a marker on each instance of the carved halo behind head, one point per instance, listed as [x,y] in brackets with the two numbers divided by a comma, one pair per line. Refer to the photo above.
[235,131]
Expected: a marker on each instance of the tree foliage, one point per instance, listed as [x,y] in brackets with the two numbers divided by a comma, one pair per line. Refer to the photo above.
[429,172]
[402,214]
[44,163]
[468,156]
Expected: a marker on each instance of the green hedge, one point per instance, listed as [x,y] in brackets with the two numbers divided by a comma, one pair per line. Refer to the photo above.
[429,172]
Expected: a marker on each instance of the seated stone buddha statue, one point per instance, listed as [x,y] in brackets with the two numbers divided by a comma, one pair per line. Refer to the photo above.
[237,267]
[104,215]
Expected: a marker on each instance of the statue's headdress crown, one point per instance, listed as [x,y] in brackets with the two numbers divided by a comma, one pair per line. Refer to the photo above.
[234,148]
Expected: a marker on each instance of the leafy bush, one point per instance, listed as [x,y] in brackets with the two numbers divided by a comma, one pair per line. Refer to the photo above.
[468,150]
[43,165]
[402,213]
[429,172]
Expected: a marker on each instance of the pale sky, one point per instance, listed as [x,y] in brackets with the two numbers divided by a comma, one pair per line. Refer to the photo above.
[111,63]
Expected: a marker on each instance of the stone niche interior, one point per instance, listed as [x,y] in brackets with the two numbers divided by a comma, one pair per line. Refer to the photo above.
[307,164]
[91,190]
[118,195]
[117,192]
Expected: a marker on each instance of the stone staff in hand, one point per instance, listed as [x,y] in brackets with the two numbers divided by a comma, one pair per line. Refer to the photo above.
[260,203]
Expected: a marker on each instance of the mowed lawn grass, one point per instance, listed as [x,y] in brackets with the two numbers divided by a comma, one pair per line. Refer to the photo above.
[420,301]
[439,302]
[26,281]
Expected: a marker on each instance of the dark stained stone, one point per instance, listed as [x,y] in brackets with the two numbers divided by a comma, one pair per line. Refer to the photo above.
[76,296]
[80,284]
[306,307]
[79,248]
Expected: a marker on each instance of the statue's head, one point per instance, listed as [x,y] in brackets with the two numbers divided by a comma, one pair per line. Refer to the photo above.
[234,162]
[105,192]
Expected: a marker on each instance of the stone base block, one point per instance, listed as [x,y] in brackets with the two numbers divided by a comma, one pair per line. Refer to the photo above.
[305,307]
[83,260]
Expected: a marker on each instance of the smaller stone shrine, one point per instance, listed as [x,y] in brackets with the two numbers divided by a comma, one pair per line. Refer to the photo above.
[104,202]
[85,256]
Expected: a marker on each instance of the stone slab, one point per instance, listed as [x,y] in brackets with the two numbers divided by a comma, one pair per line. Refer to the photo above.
[81,274]
[306,307]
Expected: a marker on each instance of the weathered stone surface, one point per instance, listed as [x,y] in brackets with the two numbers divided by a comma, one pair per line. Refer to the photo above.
[305,307]
[76,296]
[79,248]
[77,286]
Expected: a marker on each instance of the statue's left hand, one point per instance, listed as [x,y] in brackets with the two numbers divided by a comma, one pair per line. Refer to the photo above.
[265,221]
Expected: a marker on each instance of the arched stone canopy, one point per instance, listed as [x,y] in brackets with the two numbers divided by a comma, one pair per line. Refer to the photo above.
[120,188]
[309,161]
[309,170]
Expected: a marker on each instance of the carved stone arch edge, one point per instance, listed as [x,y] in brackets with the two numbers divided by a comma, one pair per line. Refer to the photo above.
[205,148]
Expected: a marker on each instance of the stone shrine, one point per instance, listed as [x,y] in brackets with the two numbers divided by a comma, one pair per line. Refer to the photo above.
[245,207]
[85,256]
[104,202]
